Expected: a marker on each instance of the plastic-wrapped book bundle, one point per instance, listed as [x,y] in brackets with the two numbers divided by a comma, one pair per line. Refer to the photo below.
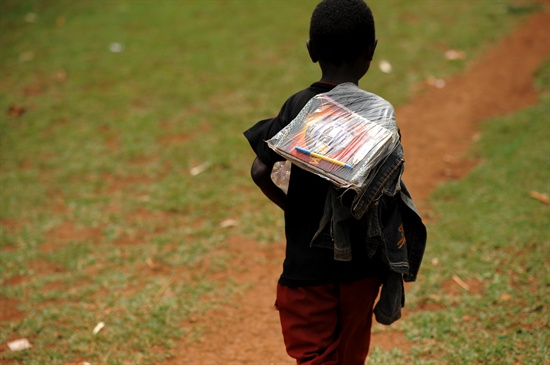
[341,135]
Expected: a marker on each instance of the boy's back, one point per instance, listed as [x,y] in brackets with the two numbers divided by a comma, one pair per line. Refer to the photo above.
[305,205]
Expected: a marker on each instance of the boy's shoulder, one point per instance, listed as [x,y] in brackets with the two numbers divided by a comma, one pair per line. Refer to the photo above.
[314,89]
[299,99]
[351,90]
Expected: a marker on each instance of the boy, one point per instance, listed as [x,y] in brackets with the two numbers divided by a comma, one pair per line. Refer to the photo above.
[325,305]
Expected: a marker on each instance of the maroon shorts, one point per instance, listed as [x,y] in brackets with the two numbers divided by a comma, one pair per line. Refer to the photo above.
[328,324]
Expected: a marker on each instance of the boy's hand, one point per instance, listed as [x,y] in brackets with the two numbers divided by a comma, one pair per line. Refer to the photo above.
[261,175]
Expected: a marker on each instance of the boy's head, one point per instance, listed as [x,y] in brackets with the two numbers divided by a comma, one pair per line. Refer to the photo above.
[341,31]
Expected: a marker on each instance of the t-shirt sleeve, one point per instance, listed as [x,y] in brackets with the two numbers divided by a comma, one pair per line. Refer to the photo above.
[267,128]
[258,134]
[264,130]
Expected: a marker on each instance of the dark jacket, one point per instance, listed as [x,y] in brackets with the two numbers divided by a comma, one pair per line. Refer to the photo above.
[393,230]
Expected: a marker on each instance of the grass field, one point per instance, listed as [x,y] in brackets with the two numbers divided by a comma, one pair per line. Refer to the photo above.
[109,107]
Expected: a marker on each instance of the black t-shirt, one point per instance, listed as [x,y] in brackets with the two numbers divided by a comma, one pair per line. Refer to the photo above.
[305,265]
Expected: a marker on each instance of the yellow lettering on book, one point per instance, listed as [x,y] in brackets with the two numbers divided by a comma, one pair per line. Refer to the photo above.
[315,161]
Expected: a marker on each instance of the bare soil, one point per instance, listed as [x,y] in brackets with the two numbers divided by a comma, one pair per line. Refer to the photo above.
[438,126]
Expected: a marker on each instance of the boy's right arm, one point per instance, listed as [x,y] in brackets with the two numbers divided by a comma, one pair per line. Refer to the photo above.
[261,175]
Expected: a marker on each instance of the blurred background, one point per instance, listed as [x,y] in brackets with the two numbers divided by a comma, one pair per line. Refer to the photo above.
[124,169]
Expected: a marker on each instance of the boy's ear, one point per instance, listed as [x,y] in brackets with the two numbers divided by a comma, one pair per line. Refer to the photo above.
[371,51]
[312,54]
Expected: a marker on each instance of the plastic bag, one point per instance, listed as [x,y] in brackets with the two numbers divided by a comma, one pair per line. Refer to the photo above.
[341,135]
[281,175]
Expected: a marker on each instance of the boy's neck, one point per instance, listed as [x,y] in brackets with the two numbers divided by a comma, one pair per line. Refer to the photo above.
[339,74]
[345,72]
[338,80]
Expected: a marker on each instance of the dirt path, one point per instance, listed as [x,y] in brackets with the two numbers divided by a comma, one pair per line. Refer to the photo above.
[438,127]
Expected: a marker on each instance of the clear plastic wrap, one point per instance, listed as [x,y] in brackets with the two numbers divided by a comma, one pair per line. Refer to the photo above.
[341,135]
[281,175]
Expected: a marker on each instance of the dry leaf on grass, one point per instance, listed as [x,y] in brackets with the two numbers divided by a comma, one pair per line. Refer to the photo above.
[453,54]
[543,198]
[98,328]
[199,169]
[461,283]
[229,223]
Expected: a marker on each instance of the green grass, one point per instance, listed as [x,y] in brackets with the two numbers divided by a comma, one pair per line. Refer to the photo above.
[100,217]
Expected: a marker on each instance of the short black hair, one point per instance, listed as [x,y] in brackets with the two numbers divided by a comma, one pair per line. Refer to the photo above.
[341,30]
